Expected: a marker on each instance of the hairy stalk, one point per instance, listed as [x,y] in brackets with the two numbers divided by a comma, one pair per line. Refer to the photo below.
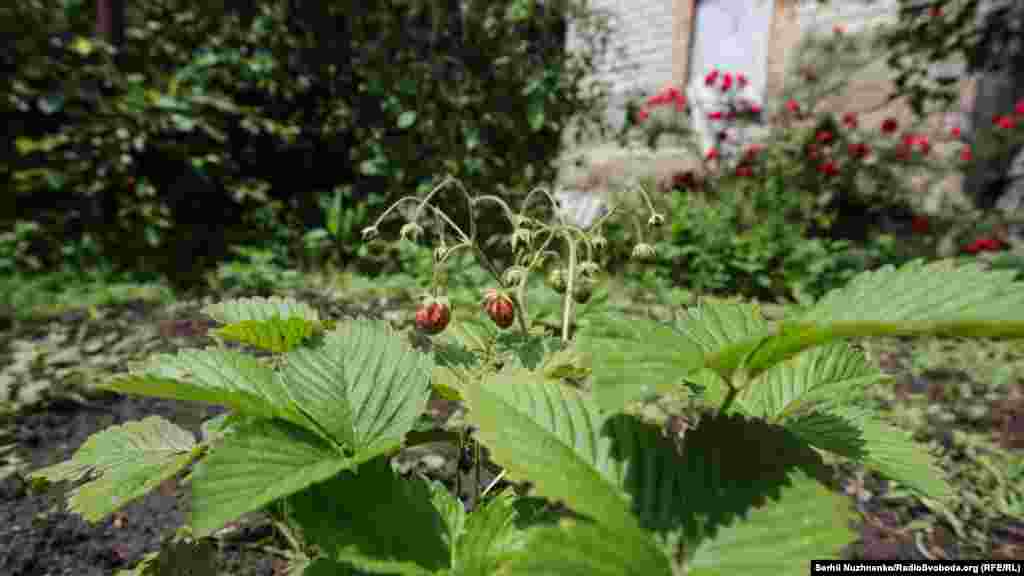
[567,300]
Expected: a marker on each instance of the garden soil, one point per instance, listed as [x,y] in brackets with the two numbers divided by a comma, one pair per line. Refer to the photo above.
[40,537]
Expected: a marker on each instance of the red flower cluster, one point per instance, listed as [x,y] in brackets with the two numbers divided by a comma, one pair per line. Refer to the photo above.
[727,78]
[858,150]
[1004,122]
[668,95]
[984,245]
[1009,121]
[922,143]
[684,180]
[829,168]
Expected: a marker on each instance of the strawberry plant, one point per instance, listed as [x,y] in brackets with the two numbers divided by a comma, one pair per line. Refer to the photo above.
[735,483]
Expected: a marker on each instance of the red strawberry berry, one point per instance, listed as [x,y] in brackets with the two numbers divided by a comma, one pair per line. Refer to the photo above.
[500,308]
[433,315]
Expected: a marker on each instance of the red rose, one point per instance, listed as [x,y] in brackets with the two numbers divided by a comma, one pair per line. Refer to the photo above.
[984,245]
[858,150]
[709,80]
[850,120]
[1019,108]
[726,82]
[683,179]
[965,154]
[824,137]
[742,81]
[744,171]
[793,106]
[955,132]
[829,168]
[1004,122]
[752,151]
[642,114]
[919,225]
[889,125]
[922,144]
[903,151]
[716,115]
[712,154]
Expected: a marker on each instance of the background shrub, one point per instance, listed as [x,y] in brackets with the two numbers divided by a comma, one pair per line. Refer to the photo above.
[211,126]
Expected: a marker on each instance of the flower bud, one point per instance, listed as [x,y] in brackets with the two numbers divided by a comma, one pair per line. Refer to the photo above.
[411,231]
[588,268]
[656,220]
[643,251]
[515,275]
[370,232]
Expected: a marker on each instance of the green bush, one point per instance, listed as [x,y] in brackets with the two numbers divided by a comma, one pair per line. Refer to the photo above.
[167,150]
[748,240]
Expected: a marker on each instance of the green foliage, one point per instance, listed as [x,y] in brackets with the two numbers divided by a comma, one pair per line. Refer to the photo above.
[261,271]
[210,111]
[130,461]
[313,429]
[750,241]
[337,242]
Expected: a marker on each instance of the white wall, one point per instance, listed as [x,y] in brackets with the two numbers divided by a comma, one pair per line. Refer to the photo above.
[643,28]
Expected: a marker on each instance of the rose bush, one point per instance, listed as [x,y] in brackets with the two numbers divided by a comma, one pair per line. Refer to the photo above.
[830,162]
[844,178]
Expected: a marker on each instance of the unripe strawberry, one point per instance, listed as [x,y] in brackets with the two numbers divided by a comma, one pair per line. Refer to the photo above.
[500,308]
[582,289]
[433,315]
[556,280]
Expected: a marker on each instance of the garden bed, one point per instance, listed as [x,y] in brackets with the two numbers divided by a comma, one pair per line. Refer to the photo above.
[968,397]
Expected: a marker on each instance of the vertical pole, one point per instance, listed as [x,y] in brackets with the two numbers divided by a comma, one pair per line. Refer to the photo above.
[784,35]
[683,12]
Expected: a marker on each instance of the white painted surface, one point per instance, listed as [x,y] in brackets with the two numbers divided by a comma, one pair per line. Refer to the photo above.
[732,35]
